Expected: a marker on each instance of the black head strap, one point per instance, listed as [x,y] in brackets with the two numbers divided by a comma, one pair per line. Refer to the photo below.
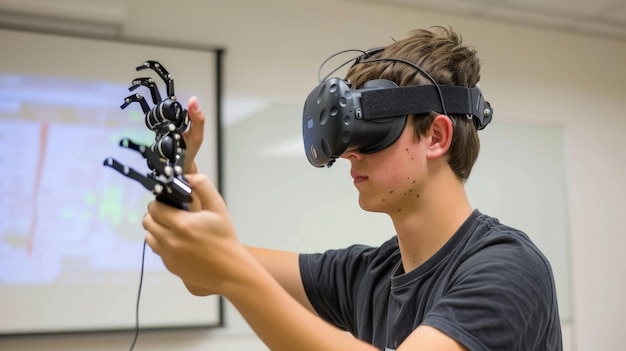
[419,99]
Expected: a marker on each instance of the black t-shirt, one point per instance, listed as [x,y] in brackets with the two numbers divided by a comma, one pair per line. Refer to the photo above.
[489,287]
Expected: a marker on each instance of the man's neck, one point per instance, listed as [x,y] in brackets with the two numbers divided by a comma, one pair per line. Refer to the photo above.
[424,229]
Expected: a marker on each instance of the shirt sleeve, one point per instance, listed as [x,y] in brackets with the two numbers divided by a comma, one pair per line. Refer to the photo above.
[495,297]
[333,279]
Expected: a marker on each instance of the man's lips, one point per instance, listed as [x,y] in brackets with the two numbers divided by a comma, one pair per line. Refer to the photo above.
[358,178]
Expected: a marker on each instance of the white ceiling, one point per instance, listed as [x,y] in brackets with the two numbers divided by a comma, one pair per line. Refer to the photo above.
[602,18]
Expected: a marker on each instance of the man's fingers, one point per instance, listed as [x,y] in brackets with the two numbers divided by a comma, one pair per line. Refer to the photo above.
[155,232]
[162,214]
[196,132]
[194,135]
[206,193]
[196,203]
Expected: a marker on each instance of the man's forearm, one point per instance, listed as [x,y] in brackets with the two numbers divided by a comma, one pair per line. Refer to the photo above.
[284,267]
[281,321]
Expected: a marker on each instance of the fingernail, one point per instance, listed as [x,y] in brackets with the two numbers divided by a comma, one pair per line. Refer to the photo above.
[195,107]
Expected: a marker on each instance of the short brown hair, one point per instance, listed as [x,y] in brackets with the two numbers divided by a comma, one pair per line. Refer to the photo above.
[441,53]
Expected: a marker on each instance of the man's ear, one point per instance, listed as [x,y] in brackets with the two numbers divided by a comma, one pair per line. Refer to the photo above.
[440,136]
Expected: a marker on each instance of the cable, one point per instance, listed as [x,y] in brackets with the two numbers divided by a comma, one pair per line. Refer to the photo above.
[143,257]
[390,59]
[319,70]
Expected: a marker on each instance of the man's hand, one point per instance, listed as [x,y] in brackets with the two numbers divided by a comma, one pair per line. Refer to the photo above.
[199,245]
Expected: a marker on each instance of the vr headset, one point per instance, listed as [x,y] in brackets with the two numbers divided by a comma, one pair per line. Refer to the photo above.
[337,118]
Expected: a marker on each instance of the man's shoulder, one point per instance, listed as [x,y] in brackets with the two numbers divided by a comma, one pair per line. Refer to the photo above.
[490,232]
[493,244]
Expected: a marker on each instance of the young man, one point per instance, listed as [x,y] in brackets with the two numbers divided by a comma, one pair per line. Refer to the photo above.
[451,279]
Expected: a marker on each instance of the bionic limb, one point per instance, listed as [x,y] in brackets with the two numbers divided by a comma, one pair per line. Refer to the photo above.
[166,156]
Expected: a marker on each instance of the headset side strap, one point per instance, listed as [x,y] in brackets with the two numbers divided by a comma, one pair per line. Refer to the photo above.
[418,99]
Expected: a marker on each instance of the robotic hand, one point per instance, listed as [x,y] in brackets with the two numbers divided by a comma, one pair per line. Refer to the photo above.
[166,156]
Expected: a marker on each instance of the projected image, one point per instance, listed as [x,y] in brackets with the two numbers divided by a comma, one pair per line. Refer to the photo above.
[64,217]
[71,238]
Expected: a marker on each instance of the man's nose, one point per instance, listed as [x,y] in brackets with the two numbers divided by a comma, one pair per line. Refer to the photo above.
[353,154]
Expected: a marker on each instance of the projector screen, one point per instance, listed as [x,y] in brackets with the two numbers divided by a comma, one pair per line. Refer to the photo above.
[70,229]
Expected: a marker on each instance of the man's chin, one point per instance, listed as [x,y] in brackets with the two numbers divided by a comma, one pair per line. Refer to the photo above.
[370,206]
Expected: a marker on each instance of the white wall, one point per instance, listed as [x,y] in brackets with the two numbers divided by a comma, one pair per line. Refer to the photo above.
[274,49]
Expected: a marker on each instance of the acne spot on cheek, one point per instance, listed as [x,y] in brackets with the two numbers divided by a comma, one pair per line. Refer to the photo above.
[409,193]
[390,191]
[383,199]
[418,196]
[399,210]
[408,152]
